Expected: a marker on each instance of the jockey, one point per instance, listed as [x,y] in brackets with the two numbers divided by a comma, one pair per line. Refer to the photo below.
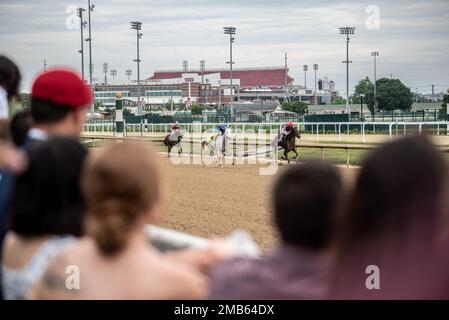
[174,126]
[222,128]
[286,130]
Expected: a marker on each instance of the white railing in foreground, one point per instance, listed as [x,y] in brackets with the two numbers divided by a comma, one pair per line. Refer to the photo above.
[170,240]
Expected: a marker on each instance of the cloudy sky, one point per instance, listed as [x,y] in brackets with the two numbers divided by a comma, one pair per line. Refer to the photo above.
[411,35]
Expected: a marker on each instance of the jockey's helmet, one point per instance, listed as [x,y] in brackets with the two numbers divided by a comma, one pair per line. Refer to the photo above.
[290,124]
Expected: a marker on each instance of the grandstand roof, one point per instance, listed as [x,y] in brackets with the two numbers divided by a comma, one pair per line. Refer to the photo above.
[249,77]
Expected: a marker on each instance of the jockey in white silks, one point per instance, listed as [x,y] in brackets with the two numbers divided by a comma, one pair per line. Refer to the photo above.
[174,131]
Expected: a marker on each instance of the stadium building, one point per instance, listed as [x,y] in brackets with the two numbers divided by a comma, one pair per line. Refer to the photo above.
[213,87]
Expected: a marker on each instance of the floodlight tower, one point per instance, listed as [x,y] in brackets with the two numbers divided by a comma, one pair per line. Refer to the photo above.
[105,71]
[231,32]
[305,68]
[375,54]
[113,73]
[137,25]
[81,51]
[202,68]
[129,73]
[91,67]
[347,31]
[315,69]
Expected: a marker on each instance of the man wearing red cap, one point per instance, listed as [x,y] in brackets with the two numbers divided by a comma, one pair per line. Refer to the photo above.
[59,99]
[58,107]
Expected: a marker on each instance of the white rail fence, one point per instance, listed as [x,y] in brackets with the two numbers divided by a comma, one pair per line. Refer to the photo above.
[315,128]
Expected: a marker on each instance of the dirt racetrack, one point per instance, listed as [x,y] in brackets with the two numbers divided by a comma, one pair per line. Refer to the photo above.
[212,202]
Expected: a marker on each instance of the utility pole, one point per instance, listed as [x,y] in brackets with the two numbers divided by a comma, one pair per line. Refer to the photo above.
[433,93]
[45,65]
[347,31]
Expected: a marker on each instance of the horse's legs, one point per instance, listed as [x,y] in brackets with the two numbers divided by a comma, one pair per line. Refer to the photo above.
[297,155]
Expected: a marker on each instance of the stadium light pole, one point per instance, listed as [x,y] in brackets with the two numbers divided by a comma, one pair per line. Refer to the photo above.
[137,25]
[129,73]
[347,31]
[105,71]
[315,68]
[305,68]
[202,67]
[113,73]
[81,51]
[285,77]
[89,10]
[375,54]
[231,32]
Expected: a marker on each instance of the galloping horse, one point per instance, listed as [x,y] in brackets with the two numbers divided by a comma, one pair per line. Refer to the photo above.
[173,139]
[288,144]
[219,145]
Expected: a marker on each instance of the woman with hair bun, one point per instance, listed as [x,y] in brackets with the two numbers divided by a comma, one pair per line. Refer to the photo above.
[122,188]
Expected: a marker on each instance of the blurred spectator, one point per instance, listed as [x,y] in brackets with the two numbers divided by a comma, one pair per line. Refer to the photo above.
[9,84]
[123,192]
[390,238]
[11,159]
[59,99]
[46,213]
[20,124]
[306,199]
[58,105]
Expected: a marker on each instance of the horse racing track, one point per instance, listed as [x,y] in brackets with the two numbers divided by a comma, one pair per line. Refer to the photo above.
[209,201]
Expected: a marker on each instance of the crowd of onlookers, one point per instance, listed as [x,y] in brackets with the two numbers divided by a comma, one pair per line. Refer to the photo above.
[73,221]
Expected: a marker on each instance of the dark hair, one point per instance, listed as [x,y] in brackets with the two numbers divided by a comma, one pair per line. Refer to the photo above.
[400,183]
[306,199]
[9,77]
[44,111]
[47,197]
[20,124]
[394,221]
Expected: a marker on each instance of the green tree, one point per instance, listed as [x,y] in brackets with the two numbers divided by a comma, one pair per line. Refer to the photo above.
[364,87]
[392,94]
[339,101]
[197,109]
[298,107]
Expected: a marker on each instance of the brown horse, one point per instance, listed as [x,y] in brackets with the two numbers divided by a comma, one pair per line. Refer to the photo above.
[170,143]
[289,144]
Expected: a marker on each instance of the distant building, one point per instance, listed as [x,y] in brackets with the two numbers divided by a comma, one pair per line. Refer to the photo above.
[213,87]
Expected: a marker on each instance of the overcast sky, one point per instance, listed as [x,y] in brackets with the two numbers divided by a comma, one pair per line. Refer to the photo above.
[412,36]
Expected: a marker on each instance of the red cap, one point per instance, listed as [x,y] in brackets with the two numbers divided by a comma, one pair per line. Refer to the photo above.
[63,87]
